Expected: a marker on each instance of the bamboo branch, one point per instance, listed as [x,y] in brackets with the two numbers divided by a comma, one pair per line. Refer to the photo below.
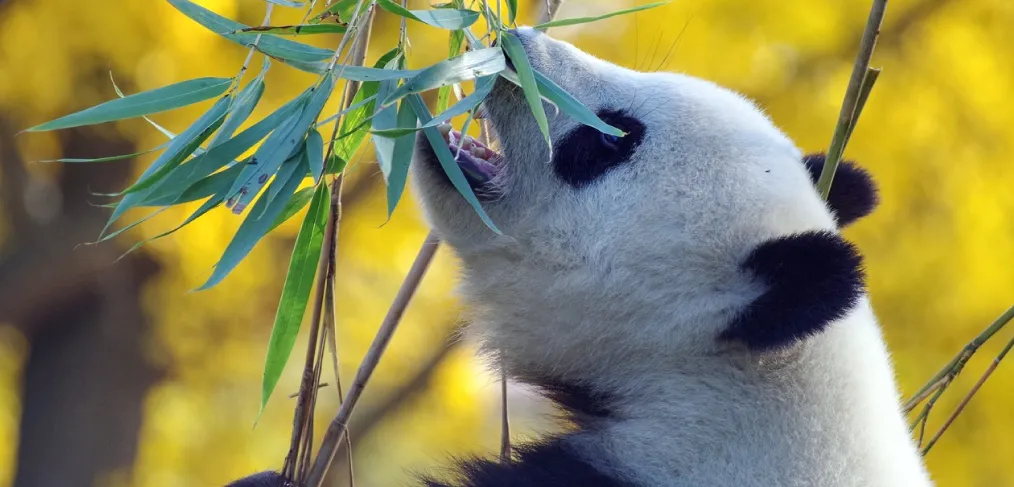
[946,375]
[968,397]
[848,115]
[339,425]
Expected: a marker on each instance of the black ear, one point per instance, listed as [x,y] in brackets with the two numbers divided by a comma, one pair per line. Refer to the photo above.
[811,279]
[263,479]
[853,194]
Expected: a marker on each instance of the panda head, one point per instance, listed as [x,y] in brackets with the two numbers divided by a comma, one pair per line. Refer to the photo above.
[622,250]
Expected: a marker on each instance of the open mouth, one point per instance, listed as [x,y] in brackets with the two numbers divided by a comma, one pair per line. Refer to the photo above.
[480,164]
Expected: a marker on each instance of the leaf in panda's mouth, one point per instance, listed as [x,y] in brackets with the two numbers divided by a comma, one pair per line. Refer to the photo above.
[479,163]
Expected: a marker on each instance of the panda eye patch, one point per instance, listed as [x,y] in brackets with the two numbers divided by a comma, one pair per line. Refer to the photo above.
[585,154]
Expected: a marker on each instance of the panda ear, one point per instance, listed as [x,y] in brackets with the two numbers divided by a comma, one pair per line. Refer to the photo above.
[853,194]
[262,479]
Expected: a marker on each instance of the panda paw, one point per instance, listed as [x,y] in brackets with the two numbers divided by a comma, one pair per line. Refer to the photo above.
[812,279]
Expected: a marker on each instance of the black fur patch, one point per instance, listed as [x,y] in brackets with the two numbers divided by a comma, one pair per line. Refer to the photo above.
[582,404]
[263,479]
[583,155]
[812,279]
[853,193]
[541,464]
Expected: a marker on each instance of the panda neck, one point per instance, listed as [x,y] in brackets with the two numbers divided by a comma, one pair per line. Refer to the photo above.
[825,411]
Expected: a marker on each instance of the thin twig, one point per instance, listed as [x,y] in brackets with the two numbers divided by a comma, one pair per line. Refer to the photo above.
[947,374]
[847,116]
[337,429]
[968,397]
[257,40]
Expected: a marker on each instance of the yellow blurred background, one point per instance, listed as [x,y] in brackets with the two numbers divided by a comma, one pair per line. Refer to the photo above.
[116,375]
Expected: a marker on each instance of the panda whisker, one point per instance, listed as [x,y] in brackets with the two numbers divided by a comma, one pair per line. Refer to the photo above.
[672,49]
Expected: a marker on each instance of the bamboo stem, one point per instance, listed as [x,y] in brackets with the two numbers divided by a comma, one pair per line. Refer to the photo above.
[338,428]
[847,116]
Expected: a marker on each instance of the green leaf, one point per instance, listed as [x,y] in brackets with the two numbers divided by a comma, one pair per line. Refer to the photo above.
[225,153]
[584,20]
[467,66]
[153,101]
[343,9]
[108,158]
[314,154]
[204,208]
[170,159]
[243,106]
[287,3]
[454,47]
[296,54]
[354,128]
[294,30]
[288,169]
[447,162]
[401,157]
[482,88]
[566,102]
[296,291]
[512,11]
[200,189]
[179,149]
[526,75]
[281,144]
[258,223]
[296,203]
[442,18]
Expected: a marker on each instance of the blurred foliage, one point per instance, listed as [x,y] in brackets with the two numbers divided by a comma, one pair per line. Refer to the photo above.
[937,134]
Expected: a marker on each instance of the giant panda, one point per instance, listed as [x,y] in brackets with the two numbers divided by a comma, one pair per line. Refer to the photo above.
[683,292]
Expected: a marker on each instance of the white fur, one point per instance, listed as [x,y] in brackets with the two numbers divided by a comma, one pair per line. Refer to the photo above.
[626,283]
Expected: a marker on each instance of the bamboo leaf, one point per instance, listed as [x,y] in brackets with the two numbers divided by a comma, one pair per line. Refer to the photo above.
[108,158]
[280,145]
[450,19]
[260,220]
[482,88]
[343,9]
[569,105]
[296,203]
[353,127]
[179,149]
[243,106]
[447,162]
[400,158]
[287,3]
[526,75]
[296,291]
[454,47]
[585,20]
[512,11]
[299,55]
[467,66]
[153,101]
[221,155]
[294,30]
[200,189]
[314,154]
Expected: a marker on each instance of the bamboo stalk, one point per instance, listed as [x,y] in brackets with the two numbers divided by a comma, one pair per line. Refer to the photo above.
[968,397]
[339,425]
[848,114]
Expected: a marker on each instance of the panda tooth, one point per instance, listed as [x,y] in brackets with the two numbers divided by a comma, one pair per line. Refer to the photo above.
[467,142]
[445,130]
[478,152]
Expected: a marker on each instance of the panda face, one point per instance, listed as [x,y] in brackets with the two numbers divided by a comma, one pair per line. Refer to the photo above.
[650,227]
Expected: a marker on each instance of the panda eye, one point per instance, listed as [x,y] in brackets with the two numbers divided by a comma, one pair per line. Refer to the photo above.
[611,141]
